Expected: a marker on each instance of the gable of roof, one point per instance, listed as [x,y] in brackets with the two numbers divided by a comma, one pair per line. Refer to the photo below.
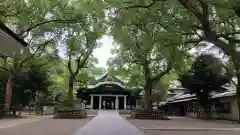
[106,83]
[107,78]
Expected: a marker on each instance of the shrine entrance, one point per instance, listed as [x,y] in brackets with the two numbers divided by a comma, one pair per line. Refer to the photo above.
[108,103]
[104,101]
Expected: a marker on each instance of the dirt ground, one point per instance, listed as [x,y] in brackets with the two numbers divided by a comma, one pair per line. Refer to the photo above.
[47,127]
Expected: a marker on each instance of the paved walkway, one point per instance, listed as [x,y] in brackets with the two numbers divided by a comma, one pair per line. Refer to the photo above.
[47,127]
[6,123]
[108,123]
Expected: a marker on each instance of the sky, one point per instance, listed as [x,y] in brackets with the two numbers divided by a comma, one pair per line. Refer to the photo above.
[103,53]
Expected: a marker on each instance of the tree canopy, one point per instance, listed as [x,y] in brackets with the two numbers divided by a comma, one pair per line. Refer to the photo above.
[205,76]
[153,39]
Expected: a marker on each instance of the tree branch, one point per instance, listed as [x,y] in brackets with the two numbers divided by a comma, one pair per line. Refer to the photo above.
[4,68]
[226,35]
[81,63]
[230,39]
[188,5]
[170,64]
[140,6]
[156,78]
[228,72]
[145,6]
[51,21]
[90,44]
[45,63]
[237,10]
[33,54]
[69,65]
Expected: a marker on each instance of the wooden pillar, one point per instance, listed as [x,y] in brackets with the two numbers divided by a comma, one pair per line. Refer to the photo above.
[100,102]
[91,106]
[125,102]
[116,103]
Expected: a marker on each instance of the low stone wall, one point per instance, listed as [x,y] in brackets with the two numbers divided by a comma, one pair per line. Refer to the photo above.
[91,112]
[124,112]
[149,114]
[70,113]
[48,110]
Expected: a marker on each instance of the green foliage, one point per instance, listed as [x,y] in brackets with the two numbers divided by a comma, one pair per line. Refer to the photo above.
[160,90]
[63,100]
[153,37]
[28,86]
[148,44]
[132,76]
[96,71]
[181,22]
[205,76]
[74,26]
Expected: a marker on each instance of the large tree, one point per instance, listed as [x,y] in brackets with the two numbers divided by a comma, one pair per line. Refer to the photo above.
[148,45]
[41,24]
[81,40]
[215,21]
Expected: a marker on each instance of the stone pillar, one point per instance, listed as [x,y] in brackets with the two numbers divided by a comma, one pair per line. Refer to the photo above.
[116,103]
[100,102]
[136,103]
[91,105]
[125,102]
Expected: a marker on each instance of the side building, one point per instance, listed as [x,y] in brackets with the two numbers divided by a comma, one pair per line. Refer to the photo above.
[10,42]
[224,104]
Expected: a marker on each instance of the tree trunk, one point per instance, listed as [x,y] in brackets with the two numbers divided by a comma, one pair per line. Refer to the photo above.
[20,112]
[237,68]
[42,109]
[205,103]
[148,95]
[158,102]
[8,93]
[147,86]
[70,88]
[238,98]
[208,114]
[14,111]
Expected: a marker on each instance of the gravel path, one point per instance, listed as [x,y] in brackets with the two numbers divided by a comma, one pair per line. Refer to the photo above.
[183,123]
[10,122]
[190,127]
[47,127]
